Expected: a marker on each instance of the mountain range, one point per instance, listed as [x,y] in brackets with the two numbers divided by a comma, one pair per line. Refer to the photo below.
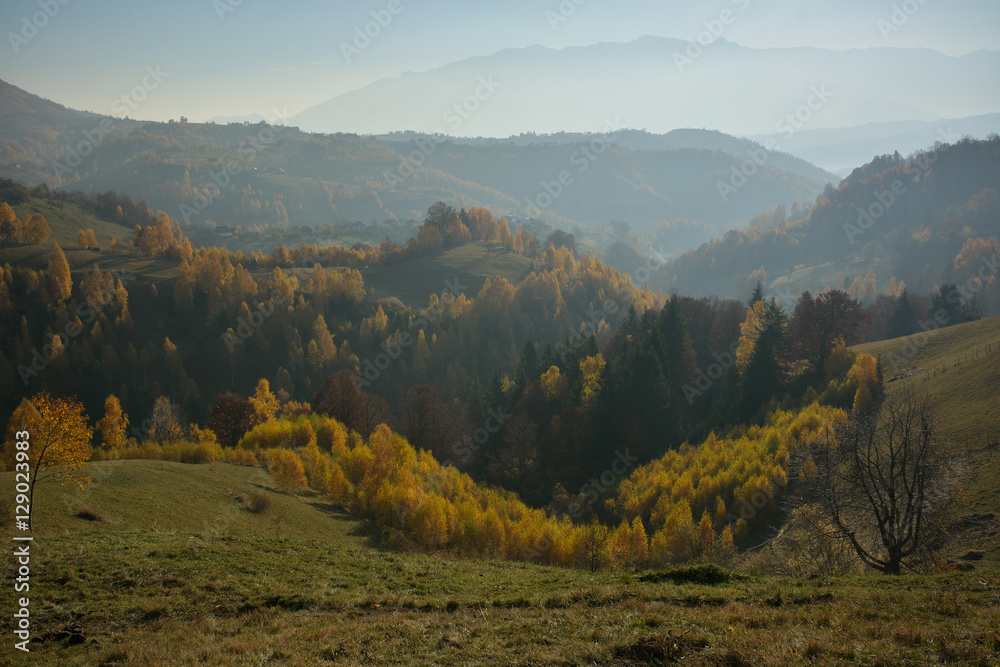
[661,84]
[281,175]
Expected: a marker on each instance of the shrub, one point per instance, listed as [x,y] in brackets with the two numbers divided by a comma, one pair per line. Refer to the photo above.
[290,433]
[192,452]
[257,502]
[89,514]
[691,574]
[239,457]
[144,450]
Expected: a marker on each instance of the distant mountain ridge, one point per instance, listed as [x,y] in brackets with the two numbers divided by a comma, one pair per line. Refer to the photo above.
[641,140]
[736,89]
[279,175]
[842,149]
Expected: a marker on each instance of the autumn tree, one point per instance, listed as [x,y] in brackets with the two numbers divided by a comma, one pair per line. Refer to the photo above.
[554,384]
[447,223]
[265,403]
[762,354]
[561,239]
[59,277]
[819,322]
[286,470]
[341,398]
[230,418]
[114,425]
[591,369]
[595,540]
[167,421]
[10,226]
[57,442]
[36,229]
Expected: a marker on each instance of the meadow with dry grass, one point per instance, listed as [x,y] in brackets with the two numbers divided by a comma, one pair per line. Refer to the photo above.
[162,563]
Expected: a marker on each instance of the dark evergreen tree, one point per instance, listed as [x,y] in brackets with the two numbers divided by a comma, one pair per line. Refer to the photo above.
[903,321]
[758,294]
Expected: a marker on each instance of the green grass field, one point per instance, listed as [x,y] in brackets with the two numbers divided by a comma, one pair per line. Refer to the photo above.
[177,570]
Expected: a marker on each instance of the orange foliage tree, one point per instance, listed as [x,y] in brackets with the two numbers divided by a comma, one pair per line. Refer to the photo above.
[58,442]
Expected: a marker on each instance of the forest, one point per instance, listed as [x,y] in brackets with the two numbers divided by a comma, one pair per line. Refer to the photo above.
[572,419]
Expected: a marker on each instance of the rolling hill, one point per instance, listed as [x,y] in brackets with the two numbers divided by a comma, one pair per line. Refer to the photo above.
[246,175]
[907,218]
[165,563]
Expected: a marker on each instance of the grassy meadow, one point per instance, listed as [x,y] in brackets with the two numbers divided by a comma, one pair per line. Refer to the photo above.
[161,563]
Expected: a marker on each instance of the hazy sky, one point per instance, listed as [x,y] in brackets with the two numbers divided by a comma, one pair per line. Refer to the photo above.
[238,57]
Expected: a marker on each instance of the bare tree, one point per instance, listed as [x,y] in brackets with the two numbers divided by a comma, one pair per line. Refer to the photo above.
[888,482]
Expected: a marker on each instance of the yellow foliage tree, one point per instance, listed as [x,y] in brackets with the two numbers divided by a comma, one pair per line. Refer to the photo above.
[286,470]
[59,276]
[316,467]
[265,403]
[591,368]
[338,488]
[751,328]
[58,442]
[554,384]
[113,425]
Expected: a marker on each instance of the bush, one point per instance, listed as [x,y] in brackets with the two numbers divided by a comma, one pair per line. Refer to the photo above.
[192,452]
[239,457]
[145,450]
[290,433]
[89,514]
[691,574]
[257,502]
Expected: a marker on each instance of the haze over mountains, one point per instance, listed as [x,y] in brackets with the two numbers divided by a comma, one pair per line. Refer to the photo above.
[653,83]
[309,180]
[841,150]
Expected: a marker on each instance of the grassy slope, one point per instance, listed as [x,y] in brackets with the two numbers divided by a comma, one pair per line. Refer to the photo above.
[472,263]
[179,572]
[82,261]
[959,367]
[69,219]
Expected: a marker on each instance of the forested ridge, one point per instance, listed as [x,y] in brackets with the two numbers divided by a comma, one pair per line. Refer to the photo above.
[569,417]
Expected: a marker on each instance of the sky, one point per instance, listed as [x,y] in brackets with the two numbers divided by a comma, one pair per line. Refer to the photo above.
[230,58]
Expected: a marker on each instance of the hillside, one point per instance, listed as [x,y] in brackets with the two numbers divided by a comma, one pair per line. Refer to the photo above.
[925,219]
[641,140]
[959,368]
[279,176]
[466,267]
[176,569]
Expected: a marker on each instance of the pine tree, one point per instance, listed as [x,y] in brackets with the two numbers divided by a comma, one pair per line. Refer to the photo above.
[758,294]
[903,320]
